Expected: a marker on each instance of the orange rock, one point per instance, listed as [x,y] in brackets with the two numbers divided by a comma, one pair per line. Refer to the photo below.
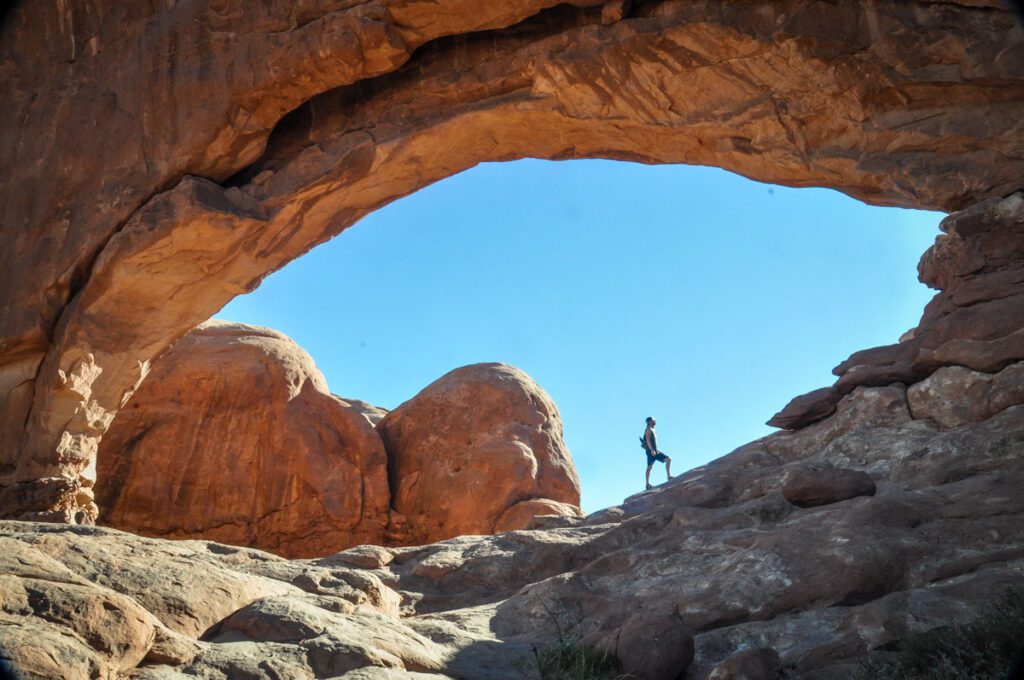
[521,515]
[234,437]
[481,440]
[165,157]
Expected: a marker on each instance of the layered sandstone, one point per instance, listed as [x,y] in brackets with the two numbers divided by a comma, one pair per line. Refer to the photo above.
[976,322]
[477,451]
[164,159]
[234,437]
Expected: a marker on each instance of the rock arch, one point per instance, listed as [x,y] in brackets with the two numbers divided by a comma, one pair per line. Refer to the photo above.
[162,158]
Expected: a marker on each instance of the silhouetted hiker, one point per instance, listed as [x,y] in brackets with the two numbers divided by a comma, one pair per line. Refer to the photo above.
[650,443]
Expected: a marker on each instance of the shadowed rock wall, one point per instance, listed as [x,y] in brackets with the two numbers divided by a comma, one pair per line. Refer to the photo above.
[145,194]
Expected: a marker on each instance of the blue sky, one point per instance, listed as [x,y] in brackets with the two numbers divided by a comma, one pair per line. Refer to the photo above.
[687,293]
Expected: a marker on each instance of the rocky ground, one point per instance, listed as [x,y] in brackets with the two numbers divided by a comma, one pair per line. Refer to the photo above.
[900,512]
[247,133]
[893,504]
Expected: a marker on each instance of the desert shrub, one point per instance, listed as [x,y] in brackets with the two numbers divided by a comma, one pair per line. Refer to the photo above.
[575,661]
[569,658]
[988,648]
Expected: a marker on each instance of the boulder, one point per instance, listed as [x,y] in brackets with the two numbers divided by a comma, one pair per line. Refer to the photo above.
[751,664]
[471,446]
[809,486]
[524,515]
[652,647]
[234,437]
[806,409]
[954,395]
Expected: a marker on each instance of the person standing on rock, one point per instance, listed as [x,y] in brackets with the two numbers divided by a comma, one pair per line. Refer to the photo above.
[650,444]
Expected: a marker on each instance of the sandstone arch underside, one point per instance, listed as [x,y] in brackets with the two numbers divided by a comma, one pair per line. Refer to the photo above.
[160,158]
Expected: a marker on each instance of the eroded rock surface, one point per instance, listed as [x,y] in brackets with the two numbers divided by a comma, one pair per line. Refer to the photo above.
[476,451]
[975,323]
[955,396]
[246,135]
[234,437]
[977,319]
[808,486]
[714,574]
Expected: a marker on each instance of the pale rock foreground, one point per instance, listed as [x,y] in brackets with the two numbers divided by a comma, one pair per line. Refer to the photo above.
[717,562]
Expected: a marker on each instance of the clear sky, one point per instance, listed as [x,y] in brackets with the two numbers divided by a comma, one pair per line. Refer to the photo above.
[687,293]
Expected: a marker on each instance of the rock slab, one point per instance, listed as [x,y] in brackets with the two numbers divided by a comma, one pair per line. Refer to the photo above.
[808,487]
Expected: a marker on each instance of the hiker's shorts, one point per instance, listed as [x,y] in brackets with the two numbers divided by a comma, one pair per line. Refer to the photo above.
[658,456]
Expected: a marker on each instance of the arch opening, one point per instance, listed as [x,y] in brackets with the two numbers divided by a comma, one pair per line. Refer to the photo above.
[696,294]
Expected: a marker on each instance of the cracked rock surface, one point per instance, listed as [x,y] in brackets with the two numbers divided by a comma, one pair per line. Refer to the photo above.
[716,561]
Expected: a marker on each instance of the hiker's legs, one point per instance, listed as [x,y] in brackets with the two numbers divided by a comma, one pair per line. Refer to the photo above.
[668,467]
[649,475]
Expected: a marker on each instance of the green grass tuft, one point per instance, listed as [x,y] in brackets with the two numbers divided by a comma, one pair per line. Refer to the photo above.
[575,661]
[984,649]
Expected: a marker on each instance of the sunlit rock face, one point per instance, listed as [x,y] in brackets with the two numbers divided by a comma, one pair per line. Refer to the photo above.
[479,449]
[164,158]
[234,437]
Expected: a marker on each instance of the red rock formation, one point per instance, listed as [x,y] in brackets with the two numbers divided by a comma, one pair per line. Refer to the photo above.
[474,449]
[810,486]
[976,321]
[234,437]
[669,584]
[146,189]
[145,192]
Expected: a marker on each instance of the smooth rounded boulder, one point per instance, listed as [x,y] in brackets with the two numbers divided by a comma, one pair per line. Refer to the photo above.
[473,444]
[234,437]
[653,647]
